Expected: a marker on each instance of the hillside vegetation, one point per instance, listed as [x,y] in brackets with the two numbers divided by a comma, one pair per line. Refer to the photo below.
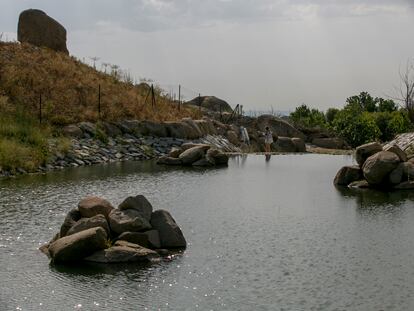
[69,91]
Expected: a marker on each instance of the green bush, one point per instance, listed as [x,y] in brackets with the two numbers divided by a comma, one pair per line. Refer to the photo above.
[306,117]
[356,129]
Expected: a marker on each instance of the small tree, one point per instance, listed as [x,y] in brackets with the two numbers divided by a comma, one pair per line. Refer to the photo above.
[406,91]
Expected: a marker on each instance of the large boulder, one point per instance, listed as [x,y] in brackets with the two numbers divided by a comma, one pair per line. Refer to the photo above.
[87,223]
[193,154]
[127,220]
[138,203]
[378,166]
[278,126]
[170,233]
[71,218]
[284,144]
[123,251]
[175,152]
[149,239]
[397,150]
[92,206]
[37,28]
[149,128]
[78,246]
[180,130]
[111,129]
[347,175]
[217,157]
[396,176]
[329,142]
[169,161]
[211,102]
[299,144]
[363,152]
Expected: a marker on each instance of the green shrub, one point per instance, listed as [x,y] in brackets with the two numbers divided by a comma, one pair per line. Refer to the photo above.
[306,117]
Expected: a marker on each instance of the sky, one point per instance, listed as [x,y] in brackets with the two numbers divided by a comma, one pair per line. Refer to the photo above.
[262,54]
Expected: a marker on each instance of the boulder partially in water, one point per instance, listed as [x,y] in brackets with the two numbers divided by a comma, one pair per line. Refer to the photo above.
[348,174]
[378,167]
[171,235]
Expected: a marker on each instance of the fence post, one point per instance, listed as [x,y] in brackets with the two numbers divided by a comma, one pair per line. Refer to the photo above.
[40,108]
[153,95]
[99,101]
[199,101]
[179,97]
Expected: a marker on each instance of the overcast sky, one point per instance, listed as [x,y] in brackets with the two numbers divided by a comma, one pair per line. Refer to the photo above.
[258,53]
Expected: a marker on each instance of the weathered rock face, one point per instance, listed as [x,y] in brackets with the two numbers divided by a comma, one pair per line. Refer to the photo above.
[347,175]
[217,157]
[87,223]
[138,203]
[191,155]
[77,246]
[71,218]
[329,143]
[378,166]
[211,102]
[37,28]
[299,144]
[149,238]
[363,152]
[396,175]
[284,144]
[123,251]
[92,206]
[278,126]
[128,220]
[395,149]
[72,131]
[170,233]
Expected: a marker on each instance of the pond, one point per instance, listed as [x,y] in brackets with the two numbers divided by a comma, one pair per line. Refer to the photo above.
[263,235]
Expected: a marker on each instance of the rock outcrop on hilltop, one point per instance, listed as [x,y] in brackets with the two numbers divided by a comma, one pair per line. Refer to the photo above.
[37,28]
[95,231]
[211,103]
[384,168]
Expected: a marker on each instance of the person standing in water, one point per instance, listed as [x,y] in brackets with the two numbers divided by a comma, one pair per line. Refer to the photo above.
[268,139]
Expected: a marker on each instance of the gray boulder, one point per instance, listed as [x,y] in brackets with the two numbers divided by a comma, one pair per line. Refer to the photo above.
[87,223]
[37,28]
[78,246]
[123,251]
[217,157]
[169,161]
[92,206]
[71,218]
[397,150]
[175,152]
[111,129]
[191,155]
[396,175]
[127,220]
[210,102]
[363,152]
[170,233]
[149,239]
[138,203]
[284,144]
[180,130]
[299,144]
[278,126]
[378,166]
[347,175]
[72,131]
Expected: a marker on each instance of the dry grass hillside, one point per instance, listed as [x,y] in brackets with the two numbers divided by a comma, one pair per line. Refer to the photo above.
[69,89]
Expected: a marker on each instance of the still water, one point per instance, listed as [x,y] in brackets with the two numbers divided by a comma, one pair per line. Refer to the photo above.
[272,235]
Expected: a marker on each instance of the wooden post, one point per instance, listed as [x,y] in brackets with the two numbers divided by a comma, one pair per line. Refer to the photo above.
[179,97]
[199,101]
[40,108]
[99,101]
[153,95]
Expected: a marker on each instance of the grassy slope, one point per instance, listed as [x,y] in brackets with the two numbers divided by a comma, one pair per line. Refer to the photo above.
[69,91]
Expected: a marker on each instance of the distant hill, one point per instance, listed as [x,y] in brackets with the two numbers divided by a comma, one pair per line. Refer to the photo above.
[69,89]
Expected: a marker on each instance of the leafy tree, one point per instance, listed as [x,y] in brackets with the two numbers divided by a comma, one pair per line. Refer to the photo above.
[330,114]
[386,105]
[364,100]
[304,116]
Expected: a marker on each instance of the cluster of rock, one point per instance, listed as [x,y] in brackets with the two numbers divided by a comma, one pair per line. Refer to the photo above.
[380,167]
[200,155]
[95,231]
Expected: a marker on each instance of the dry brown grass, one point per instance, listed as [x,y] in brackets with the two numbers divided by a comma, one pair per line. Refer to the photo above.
[69,89]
